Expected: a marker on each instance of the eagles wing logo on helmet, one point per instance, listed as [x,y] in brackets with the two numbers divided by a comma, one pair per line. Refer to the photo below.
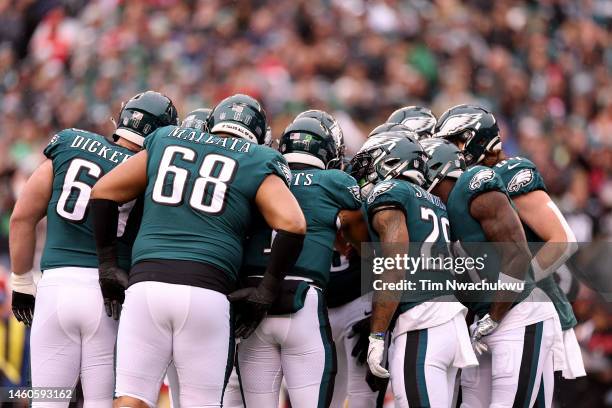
[379,141]
[431,145]
[286,171]
[418,124]
[380,189]
[355,192]
[520,179]
[480,177]
[457,123]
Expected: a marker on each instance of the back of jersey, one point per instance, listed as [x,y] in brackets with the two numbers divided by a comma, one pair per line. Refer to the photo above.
[466,229]
[80,159]
[199,196]
[429,234]
[322,194]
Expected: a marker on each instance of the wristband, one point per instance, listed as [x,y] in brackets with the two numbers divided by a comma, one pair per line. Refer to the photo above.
[23,283]
[378,335]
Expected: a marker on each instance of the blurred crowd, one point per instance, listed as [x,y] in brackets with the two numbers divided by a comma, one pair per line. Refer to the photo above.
[543,67]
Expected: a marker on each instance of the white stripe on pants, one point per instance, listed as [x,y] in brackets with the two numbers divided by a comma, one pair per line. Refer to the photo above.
[71,336]
[189,325]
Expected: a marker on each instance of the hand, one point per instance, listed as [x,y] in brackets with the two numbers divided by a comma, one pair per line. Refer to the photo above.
[375,383]
[484,327]
[113,283]
[376,351]
[252,305]
[361,329]
[23,307]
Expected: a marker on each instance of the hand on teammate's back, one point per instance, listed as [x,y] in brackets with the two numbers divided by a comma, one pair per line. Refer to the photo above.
[252,305]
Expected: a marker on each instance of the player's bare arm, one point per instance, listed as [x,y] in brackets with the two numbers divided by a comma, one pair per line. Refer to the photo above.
[501,224]
[538,211]
[390,224]
[125,182]
[282,212]
[31,207]
[353,228]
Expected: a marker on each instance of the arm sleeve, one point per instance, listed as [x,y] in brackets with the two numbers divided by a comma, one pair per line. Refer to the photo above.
[56,144]
[276,164]
[481,180]
[387,194]
[524,178]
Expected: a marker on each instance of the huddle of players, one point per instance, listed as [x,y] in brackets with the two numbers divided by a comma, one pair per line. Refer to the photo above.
[231,237]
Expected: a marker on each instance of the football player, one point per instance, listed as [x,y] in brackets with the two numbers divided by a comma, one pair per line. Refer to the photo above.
[429,339]
[72,336]
[294,341]
[541,218]
[517,333]
[199,189]
[417,118]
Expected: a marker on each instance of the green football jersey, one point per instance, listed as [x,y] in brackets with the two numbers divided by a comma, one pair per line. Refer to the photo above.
[466,229]
[428,227]
[199,196]
[80,159]
[321,195]
[520,176]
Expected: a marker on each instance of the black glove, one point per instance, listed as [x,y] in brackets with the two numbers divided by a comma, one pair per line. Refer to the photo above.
[252,305]
[23,307]
[375,383]
[113,282]
[362,330]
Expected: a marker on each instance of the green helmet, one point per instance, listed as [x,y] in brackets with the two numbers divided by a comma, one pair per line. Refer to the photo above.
[473,125]
[417,118]
[334,129]
[386,156]
[144,113]
[445,160]
[308,141]
[392,127]
[197,119]
[239,115]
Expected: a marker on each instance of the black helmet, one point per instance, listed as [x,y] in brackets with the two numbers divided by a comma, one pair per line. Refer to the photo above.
[386,156]
[445,160]
[334,129]
[390,127]
[473,125]
[144,113]
[308,141]
[239,115]
[197,119]
[417,118]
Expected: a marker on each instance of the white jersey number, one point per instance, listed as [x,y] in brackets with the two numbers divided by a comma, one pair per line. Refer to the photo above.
[75,209]
[209,189]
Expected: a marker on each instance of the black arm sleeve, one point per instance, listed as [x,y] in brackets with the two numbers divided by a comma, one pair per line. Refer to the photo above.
[105,215]
[286,249]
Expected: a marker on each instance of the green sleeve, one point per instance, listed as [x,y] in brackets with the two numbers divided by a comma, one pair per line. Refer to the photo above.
[523,177]
[388,193]
[276,164]
[344,189]
[56,144]
[482,179]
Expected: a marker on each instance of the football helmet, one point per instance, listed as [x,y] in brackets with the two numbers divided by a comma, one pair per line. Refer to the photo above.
[386,156]
[417,118]
[239,115]
[445,160]
[473,125]
[334,128]
[144,113]
[308,141]
[197,119]
[390,127]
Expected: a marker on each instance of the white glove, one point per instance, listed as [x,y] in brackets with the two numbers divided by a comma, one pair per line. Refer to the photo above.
[376,350]
[484,327]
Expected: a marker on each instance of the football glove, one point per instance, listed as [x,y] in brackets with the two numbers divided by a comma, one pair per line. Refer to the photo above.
[113,282]
[361,330]
[484,327]
[23,301]
[375,383]
[252,305]
[376,350]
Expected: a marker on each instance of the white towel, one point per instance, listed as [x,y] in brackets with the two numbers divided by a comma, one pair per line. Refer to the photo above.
[574,366]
